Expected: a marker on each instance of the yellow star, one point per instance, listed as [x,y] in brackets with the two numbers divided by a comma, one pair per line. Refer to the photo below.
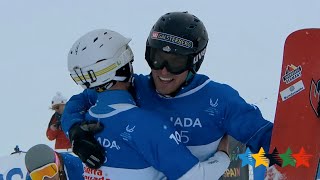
[260,158]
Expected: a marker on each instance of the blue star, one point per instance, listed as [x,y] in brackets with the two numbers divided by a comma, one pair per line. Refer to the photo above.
[247,158]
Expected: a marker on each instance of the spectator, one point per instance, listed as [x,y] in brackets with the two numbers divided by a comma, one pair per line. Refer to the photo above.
[42,162]
[54,131]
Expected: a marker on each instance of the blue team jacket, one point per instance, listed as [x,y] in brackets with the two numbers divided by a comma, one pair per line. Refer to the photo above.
[138,143]
[204,110]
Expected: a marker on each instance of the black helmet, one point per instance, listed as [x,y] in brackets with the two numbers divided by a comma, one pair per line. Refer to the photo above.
[179,33]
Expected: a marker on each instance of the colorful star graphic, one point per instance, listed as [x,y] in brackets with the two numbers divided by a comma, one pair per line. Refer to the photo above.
[287,158]
[274,158]
[247,158]
[302,158]
[282,160]
[260,158]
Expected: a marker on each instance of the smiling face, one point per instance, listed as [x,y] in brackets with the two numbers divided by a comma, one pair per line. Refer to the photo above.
[166,82]
[169,71]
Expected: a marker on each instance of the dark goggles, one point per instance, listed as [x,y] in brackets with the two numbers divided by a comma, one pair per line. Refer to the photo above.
[174,63]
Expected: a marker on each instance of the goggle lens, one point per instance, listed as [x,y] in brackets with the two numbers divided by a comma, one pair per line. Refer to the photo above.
[174,63]
[49,170]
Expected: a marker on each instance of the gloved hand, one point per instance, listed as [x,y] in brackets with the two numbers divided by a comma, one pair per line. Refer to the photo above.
[85,145]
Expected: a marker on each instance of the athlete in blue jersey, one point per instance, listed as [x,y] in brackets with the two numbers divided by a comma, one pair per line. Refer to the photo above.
[136,149]
[201,110]
[42,162]
[175,50]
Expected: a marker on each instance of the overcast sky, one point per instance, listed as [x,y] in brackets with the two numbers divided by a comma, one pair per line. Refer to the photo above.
[245,50]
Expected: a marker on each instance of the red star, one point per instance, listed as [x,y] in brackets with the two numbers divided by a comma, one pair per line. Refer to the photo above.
[302,158]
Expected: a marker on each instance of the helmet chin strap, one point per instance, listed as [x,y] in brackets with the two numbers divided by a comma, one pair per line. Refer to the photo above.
[186,82]
[105,86]
[189,77]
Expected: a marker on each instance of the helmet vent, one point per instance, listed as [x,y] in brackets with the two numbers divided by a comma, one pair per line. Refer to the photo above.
[95,39]
[100,60]
[84,48]
[110,38]
[105,33]
[101,45]
[196,19]
[191,27]
[70,52]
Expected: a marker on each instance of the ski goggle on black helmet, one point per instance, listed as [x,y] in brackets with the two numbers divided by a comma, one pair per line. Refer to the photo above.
[177,41]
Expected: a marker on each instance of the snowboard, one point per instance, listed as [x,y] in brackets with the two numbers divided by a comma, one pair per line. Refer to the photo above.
[295,142]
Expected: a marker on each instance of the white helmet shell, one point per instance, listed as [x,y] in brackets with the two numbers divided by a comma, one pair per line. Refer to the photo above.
[58,99]
[94,58]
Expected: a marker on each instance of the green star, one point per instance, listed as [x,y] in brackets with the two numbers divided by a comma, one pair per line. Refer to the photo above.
[287,158]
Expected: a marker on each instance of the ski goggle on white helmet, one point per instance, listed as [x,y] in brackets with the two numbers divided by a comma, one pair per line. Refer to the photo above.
[94,58]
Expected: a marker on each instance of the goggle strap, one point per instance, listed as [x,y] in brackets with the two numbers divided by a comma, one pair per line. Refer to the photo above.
[57,160]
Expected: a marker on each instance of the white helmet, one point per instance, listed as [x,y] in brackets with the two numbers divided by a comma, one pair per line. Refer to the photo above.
[58,99]
[94,58]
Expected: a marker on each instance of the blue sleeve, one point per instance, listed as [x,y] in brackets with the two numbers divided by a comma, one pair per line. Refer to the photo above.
[76,108]
[73,166]
[159,144]
[245,123]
